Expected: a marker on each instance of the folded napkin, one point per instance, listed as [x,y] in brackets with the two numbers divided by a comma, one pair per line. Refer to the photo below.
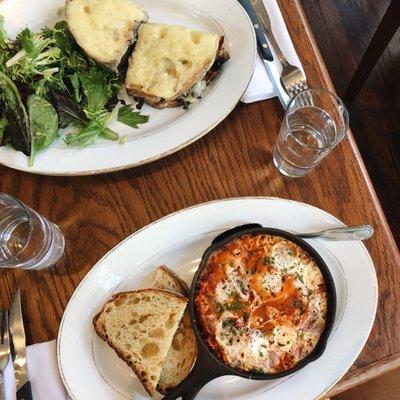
[261,86]
[42,373]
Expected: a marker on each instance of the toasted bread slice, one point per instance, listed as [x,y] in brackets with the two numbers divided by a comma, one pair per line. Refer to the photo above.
[104,29]
[168,61]
[168,280]
[183,351]
[140,326]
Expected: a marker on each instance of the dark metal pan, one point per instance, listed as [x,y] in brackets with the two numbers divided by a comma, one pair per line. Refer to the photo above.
[208,365]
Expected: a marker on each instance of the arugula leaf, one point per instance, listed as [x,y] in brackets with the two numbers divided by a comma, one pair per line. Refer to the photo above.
[3,33]
[17,132]
[4,44]
[132,118]
[3,126]
[43,121]
[98,88]
[86,135]
[74,79]
[69,112]
[28,42]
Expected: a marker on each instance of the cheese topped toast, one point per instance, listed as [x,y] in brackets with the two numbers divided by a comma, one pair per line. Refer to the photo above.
[104,29]
[168,61]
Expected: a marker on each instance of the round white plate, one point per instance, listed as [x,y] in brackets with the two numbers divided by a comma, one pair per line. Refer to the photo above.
[168,130]
[90,369]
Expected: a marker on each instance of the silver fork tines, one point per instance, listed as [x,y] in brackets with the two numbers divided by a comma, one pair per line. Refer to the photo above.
[4,347]
[292,78]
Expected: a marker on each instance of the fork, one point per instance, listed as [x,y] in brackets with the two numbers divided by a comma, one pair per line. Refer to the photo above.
[292,78]
[4,348]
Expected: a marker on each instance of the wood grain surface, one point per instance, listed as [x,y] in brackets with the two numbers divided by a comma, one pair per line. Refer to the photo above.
[96,213]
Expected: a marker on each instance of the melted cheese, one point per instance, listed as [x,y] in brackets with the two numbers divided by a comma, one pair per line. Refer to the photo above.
[169,60]
[263,303]
[104,28]
[284,254]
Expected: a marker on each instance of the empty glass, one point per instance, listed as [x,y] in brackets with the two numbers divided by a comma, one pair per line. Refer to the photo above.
[27,240]
[316,120]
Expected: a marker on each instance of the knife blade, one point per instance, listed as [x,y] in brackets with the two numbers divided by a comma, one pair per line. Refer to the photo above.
[17,329]
[262,43]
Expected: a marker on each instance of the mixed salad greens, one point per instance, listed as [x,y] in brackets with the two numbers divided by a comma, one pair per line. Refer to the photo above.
[46,83]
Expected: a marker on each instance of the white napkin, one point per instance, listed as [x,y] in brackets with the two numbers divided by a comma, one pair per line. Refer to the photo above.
[42,373]
[261,86]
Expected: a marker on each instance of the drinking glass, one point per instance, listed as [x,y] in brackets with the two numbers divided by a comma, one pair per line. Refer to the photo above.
[316,120]
[27,240]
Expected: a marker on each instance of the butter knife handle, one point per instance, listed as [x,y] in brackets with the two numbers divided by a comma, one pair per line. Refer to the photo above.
[262,42]
[25,392]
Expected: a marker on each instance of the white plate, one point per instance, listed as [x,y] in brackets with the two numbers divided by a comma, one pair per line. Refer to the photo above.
[168,130]
[90,369]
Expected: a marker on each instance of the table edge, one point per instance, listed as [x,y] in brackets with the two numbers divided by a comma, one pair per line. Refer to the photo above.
[365,374]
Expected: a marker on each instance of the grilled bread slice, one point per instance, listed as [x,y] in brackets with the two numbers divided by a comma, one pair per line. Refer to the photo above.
[168,62]
[183,351]
[104,29]
[140,326]
[168,280]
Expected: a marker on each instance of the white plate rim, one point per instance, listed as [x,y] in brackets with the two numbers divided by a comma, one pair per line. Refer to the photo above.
[329,385]
[89,172]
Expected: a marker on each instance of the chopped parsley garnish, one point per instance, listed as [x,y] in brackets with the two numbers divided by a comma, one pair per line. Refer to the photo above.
[227,324]
[261,354]
[220,308]
[284,270]
[267,260]
[234,306]
[300,277]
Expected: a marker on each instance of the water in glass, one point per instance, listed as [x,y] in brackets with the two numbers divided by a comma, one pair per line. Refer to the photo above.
[27,240]
[307,135]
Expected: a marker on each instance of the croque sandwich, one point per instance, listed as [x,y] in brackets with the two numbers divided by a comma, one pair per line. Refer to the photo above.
[171,65]
[104,29]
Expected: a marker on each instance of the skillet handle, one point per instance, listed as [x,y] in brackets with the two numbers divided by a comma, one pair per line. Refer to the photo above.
[233,231]
[205,370]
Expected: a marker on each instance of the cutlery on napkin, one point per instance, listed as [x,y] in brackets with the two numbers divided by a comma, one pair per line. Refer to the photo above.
[261,86]
[43,374]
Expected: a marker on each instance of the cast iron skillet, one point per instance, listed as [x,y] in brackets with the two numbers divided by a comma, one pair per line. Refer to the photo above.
[208,366]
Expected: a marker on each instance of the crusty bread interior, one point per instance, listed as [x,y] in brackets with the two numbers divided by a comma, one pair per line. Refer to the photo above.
[183,351]
[168,60]
[104,29]
[140,326]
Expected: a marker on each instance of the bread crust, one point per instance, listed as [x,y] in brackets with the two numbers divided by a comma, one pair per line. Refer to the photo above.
[185,328]
[179,282]
[160,103]
[99,329]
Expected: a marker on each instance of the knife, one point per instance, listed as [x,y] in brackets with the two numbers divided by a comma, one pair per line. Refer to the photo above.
[257,13]
[24,391]
[262,43]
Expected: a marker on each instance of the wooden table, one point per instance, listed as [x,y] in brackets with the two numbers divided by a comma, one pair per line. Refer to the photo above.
[95,213]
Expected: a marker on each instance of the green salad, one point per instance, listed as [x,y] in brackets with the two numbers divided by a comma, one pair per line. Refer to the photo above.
[46,83]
